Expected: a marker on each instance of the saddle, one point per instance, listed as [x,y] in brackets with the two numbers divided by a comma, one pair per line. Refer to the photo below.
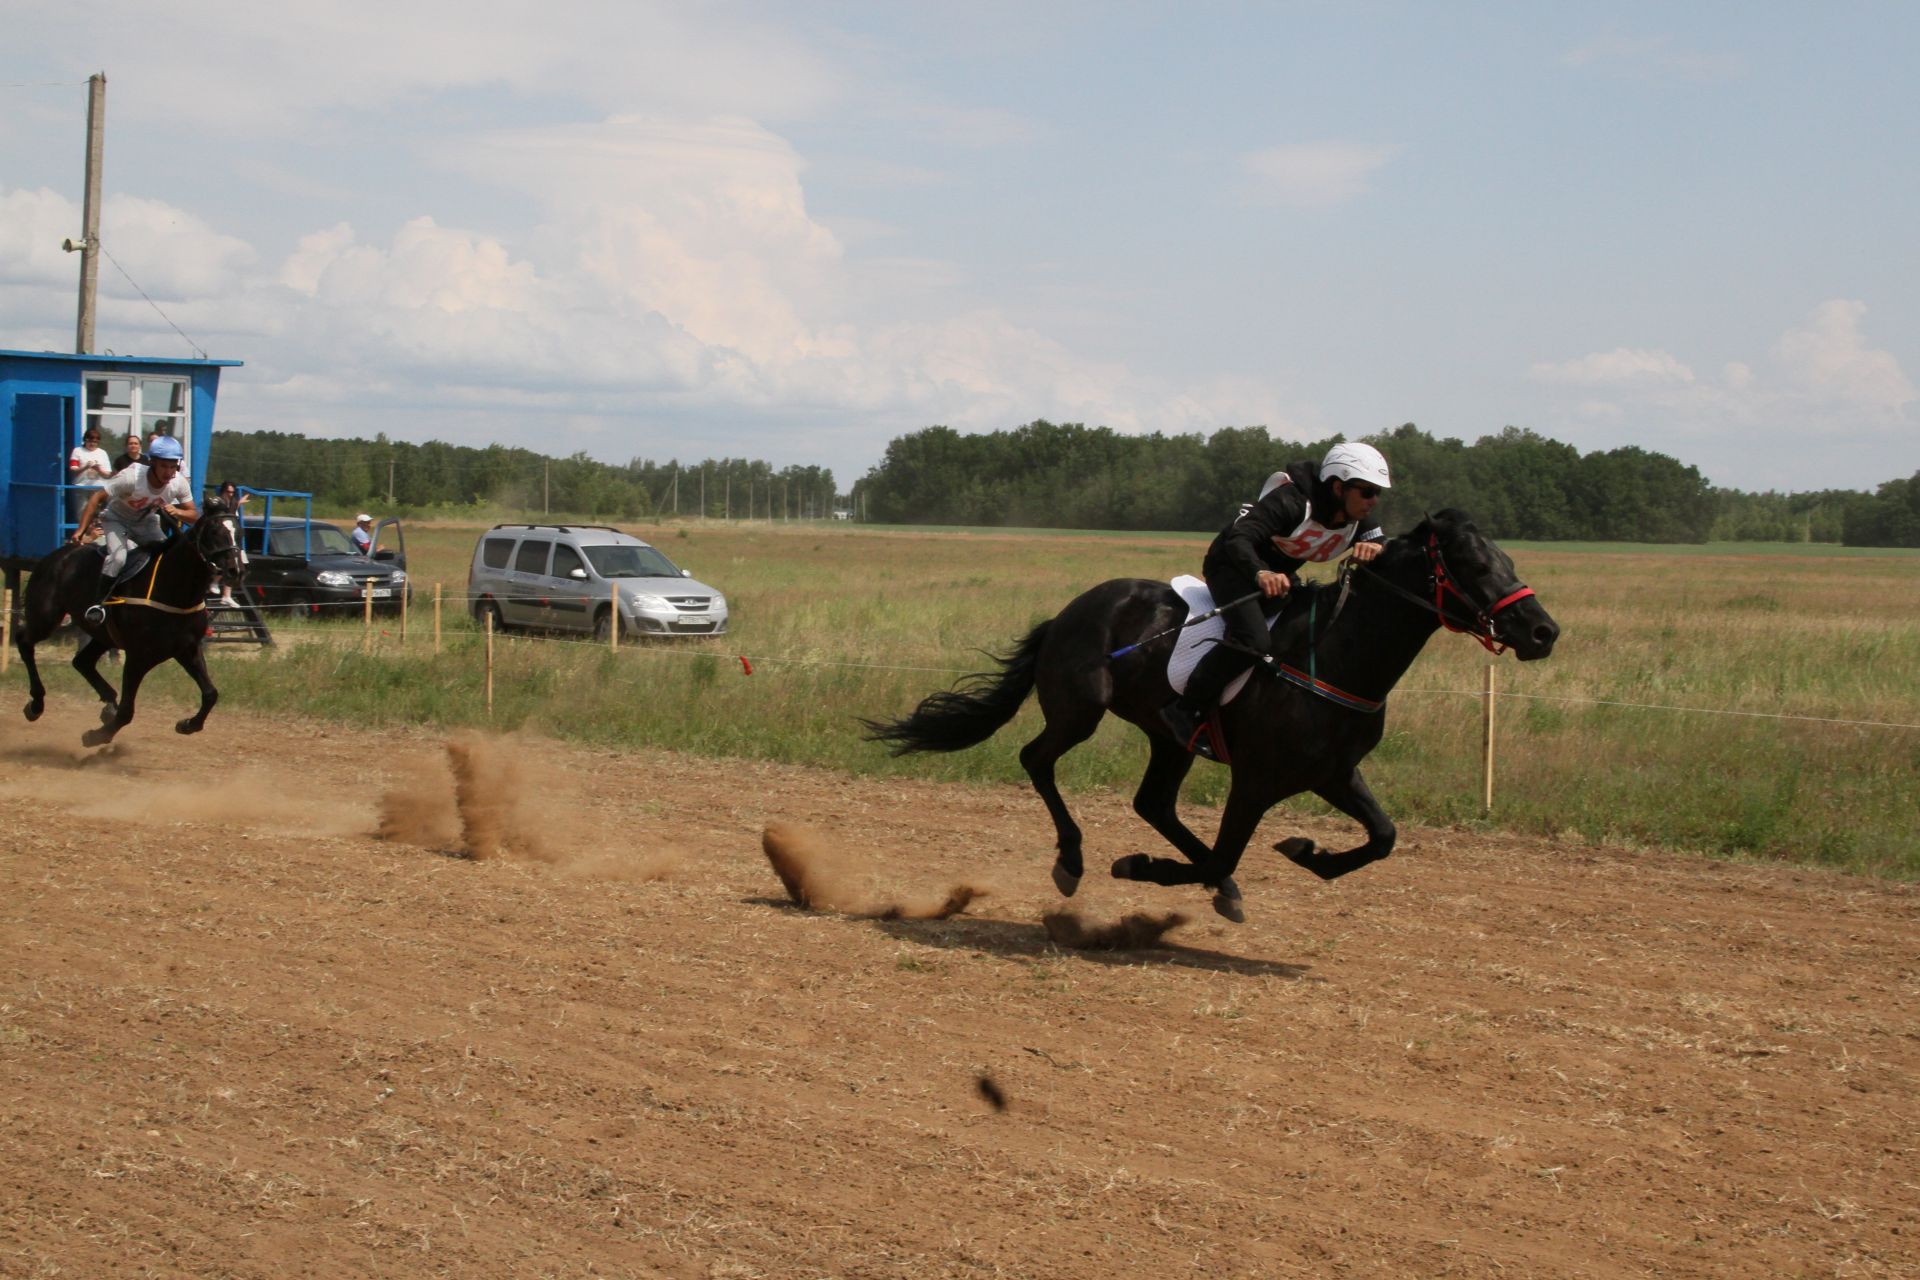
[1196,640]
[138,557]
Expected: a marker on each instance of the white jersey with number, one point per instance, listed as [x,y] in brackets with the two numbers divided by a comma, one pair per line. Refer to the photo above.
[130,499]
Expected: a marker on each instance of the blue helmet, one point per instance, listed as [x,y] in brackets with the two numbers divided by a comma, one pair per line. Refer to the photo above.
[165,447]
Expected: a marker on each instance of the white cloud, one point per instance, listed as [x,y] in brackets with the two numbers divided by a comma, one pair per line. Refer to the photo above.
[1622,365]
[1649,57]
[1313,175]
[1828,360]
[1819,379]
[230,68]
[32,225]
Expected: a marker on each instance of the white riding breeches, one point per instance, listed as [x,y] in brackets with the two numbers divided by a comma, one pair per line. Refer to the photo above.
[122,537]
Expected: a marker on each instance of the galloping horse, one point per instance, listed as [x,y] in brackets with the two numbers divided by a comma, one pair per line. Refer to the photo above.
[1302,723]
[157,612]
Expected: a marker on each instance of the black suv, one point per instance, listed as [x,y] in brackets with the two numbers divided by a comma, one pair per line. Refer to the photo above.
[291,561]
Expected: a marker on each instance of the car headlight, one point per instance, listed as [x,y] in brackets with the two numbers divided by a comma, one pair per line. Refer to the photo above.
[333,578]
[399,578]
[653,603]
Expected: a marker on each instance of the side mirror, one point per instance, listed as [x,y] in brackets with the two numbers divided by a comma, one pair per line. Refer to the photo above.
[577,572]
[383,555]
[686,573]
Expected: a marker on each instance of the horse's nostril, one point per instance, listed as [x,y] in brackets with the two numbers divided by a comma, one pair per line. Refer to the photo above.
[1546,633]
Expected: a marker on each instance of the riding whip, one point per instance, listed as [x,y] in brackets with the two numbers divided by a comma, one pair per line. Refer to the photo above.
[1126,649]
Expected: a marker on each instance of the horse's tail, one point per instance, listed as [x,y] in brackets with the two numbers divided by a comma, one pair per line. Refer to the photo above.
[970,713]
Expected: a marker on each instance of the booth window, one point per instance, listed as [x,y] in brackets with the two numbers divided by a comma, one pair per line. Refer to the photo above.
[118,401]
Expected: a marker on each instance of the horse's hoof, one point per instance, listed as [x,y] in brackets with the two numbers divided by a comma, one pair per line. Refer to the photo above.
[34,709]
[96,737]
[1296,849]
[1065,881]
[1228,902]
[186,726]
[1131,867]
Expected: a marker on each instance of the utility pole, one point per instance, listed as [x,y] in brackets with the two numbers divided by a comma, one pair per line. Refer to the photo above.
[89,245]
[546,487]
[703,491]
[389,482]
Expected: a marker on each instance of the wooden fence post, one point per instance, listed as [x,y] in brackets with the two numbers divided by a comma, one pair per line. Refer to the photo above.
[436,619]
[366,613]
[489,624]
[6,628]
[406,597]
[613,632]
[1486,742]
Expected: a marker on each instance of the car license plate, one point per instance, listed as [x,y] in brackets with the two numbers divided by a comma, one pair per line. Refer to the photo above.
[382,593]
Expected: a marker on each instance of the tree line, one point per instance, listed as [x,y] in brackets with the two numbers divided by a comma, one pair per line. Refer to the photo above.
[1516,484]
[388,474]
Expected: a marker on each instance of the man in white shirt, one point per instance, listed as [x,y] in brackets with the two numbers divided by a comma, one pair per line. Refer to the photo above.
[129,507]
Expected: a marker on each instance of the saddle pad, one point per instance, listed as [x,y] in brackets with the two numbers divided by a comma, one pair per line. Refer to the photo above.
[1195,641]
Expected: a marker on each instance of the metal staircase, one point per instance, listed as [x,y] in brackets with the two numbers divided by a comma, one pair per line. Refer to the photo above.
[238,623]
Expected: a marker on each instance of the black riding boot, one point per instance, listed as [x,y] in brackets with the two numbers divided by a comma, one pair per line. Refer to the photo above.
[1187,714]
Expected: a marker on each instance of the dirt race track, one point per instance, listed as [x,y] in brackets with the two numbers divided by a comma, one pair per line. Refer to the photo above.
[243,1035]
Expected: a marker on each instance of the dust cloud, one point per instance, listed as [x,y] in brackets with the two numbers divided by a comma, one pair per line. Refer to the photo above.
[817,876]
[490,797]
[1136,931]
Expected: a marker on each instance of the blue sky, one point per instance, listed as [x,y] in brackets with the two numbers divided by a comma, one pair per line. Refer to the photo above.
[795,232]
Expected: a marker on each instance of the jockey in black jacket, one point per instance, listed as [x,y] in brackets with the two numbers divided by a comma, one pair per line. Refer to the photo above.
[1305,512]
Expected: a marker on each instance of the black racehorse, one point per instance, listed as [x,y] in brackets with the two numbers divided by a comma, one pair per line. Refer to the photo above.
[158,611]
[1303,723]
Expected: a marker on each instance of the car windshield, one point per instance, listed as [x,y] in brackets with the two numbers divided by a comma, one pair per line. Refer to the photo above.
[327,541]
[630,562]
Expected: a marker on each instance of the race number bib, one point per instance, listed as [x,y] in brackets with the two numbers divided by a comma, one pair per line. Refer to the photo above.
[1314,542]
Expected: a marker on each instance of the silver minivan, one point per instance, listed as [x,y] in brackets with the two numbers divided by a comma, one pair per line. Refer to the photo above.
[565,577]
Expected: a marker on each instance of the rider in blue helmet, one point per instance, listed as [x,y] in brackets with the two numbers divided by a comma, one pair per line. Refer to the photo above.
[129,507]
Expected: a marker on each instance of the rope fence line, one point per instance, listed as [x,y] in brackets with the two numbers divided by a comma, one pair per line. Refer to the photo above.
[1478,694]
[1487,694]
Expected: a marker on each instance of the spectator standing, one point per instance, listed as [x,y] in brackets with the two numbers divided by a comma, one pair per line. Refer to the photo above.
[131,455]
[229,496]
[363,534]
[87,469]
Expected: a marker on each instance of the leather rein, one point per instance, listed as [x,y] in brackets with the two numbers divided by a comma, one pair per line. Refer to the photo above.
[1441,582]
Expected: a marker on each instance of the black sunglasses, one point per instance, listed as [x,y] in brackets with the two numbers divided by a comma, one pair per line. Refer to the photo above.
[1364,490]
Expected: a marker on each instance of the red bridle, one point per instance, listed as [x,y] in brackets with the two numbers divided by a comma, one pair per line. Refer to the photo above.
[1443,586]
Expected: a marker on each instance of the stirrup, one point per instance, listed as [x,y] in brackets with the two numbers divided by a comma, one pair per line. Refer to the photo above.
[1189,730]
[95,615]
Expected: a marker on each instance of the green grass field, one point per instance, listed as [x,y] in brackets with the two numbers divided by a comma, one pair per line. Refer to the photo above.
[1743,701]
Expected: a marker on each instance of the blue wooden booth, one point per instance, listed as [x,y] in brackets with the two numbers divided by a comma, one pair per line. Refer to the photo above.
[47,402]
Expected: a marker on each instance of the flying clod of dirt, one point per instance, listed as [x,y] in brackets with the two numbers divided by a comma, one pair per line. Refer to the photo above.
[820,878]
[1135,931]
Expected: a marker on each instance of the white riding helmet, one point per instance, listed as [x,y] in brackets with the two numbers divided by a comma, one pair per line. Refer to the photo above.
[1355,461]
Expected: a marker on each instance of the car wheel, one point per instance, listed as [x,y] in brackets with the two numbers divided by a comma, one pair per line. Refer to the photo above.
[489,608]
[603,626]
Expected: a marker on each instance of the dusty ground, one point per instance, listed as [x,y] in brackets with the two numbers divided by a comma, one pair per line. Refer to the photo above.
[241,1035]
